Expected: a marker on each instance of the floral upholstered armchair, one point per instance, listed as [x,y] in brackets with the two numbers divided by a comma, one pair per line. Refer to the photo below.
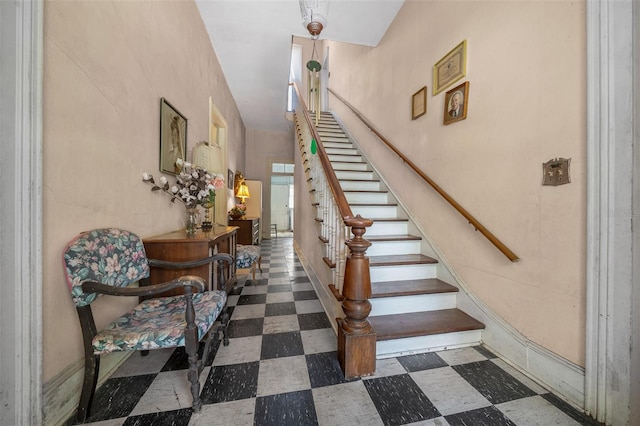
[107,261]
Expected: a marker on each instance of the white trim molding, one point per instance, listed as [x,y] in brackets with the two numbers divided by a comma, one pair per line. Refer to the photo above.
[21,49]
[610,370]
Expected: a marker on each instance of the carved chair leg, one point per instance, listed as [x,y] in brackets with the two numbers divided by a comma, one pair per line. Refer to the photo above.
[91,368]
[224,322]
[191,347]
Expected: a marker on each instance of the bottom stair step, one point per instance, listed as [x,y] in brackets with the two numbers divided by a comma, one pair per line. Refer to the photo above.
[399,326]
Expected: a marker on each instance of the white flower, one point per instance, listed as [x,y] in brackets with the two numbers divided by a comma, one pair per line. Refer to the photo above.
[163,180]
[146,176]
[174,189]
[179,162]
[187,164]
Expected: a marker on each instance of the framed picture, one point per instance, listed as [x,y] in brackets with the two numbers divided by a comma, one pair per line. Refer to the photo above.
[451,68]
[173,137]
[230,176]
[419,103]
[455,103]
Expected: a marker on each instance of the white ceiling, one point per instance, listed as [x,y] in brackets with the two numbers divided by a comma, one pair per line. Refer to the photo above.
[252,39]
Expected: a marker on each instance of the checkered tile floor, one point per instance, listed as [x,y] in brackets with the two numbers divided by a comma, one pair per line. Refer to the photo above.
[281,369]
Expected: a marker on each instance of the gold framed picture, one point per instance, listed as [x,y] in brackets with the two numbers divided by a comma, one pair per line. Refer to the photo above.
[455,103]
[451,68]
[419,103]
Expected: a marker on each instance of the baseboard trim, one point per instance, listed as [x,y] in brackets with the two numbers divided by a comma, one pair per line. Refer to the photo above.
[562,377]
[61,393]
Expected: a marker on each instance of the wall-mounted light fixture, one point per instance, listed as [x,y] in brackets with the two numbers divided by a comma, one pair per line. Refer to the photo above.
[314,15]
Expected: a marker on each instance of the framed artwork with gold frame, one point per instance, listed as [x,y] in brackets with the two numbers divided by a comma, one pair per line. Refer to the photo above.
[455,103]
[451,68]
[419,103]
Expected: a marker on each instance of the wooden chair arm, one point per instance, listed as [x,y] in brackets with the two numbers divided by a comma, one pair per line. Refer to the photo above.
[191,284]
[166,264]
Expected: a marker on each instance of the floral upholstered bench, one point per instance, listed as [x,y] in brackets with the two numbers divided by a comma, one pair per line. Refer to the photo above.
[247,257]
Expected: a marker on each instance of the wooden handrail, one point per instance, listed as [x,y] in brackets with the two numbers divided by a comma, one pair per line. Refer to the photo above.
[472,220]
[334,184]
[356,338]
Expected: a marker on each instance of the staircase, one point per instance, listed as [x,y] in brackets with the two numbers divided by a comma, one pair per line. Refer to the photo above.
[413,308]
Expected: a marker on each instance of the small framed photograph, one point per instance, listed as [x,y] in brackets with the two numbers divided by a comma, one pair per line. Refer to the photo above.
[230,176]
[419,103]
[173,137]
[455,103]
[451,68]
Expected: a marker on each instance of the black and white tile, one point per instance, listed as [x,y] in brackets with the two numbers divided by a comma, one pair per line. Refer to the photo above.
[281,368]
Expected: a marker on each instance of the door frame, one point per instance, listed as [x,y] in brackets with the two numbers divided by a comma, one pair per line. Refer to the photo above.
[22,52]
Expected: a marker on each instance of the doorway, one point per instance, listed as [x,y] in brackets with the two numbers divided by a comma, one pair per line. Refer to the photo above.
[282,198]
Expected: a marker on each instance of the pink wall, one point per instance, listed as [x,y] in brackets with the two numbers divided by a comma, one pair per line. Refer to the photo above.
[107,64]
[526,68]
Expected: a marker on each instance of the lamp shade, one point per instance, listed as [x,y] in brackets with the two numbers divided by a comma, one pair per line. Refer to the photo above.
[314,15]
[243,191]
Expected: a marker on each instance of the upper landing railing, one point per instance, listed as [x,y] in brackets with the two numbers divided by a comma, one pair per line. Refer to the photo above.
[472,220]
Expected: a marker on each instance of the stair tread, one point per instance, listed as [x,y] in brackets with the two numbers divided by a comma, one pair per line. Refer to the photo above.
[365,191]
[398,326]
[351,163]
[374,204]
[391,219]
[410,288]
[400,259]
[404,237]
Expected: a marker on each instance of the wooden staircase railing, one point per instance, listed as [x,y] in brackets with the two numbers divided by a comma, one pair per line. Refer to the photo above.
[472,220]
[356,338]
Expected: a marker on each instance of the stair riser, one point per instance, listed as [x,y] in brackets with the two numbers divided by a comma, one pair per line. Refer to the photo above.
[342,151]
[437,342]
[354,167]
[345,158]
[373,212]
[367,197]
[341,145]
[417,303]
[335,142]
[346,175]
[387,248]
[388,228]
[402,272]
[351,185]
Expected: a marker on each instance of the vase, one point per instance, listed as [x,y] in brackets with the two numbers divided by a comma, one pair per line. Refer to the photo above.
[209,216]
[191,221]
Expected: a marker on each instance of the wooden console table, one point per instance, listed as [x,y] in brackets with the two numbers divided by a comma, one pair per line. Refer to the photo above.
[179,247]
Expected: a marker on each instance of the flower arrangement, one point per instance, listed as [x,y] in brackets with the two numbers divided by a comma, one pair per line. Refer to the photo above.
[238,210]
[194,185]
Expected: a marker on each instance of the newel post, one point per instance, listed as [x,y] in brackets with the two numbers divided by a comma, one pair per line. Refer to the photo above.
[356,338]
